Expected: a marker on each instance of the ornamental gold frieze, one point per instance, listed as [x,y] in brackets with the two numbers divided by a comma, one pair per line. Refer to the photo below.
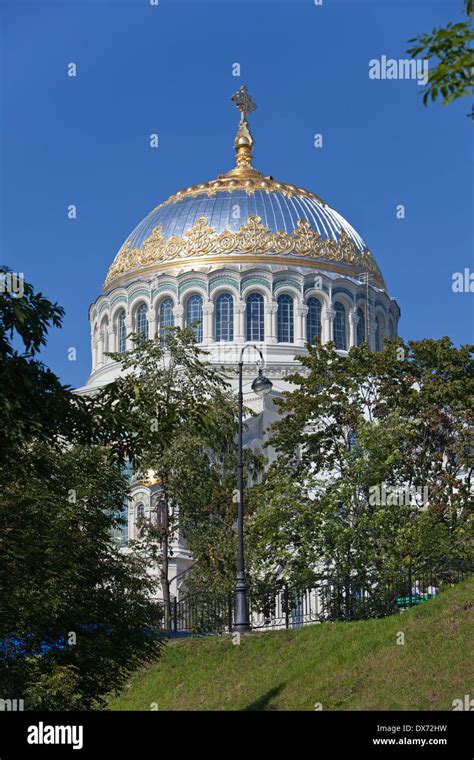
[253,237]
[248,181]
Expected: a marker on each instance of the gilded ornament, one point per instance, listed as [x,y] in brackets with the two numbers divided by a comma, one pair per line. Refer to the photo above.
[225,242]
[253,237]
[153,243]
[250,183]
[200,238]
[306,238]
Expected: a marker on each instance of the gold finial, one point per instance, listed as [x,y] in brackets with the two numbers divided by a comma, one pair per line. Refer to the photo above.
[243,140]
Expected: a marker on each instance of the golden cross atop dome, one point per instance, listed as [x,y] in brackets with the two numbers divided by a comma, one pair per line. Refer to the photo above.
[243,102]
[243,140]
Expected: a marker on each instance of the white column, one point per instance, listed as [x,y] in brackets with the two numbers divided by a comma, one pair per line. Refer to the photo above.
[94,353]
[208,322]
[112,339]
[301,311]
[178,314]
[100,349]
[128,328]
[327,324]
[239,321]
[151,316]
[353,322]
[270,319]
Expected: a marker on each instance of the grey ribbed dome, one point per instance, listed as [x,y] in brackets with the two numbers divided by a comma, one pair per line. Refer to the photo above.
[276,210]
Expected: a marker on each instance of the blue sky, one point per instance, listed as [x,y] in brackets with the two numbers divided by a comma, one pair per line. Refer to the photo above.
[167,69]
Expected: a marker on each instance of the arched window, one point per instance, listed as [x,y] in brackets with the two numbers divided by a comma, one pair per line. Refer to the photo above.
[139,517]
[391,328]
[313,321]
[361,327]
[255,317]
[194,316]
[166,318]
[121,333]
[378,335]
[161,512]
[141,321]
[119,533]
[340,338]
[285,319]
[224,317]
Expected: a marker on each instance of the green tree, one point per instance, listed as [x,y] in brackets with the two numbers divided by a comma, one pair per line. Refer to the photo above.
[209,509]
[452,77]
[34,404]
[60,498]
[177,419]
[76,614]
[399,419]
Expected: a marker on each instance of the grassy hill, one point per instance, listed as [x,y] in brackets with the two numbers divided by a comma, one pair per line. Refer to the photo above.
[343,666]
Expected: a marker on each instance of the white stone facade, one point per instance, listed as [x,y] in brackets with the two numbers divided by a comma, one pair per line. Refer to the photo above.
[272,281]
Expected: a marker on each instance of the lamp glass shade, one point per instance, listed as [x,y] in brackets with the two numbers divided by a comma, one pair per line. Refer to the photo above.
[261,385]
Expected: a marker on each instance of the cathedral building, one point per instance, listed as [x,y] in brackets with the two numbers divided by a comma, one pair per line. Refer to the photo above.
[245,258]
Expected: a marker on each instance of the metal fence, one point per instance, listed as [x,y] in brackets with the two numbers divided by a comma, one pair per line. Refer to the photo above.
[328,599]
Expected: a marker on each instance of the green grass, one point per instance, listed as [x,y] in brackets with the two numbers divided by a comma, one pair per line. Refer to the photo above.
[343,666]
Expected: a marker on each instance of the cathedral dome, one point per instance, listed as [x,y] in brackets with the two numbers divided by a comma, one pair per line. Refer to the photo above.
[243,216]
[242,259]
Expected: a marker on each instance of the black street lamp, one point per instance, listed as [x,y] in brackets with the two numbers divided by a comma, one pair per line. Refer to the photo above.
[261,385]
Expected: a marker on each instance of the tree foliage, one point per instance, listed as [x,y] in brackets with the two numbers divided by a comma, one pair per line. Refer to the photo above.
[177,419]
[75,614]
[451,46]
[34,403]
[400,419]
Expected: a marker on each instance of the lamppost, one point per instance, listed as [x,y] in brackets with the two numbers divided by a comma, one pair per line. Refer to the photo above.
[261,385]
